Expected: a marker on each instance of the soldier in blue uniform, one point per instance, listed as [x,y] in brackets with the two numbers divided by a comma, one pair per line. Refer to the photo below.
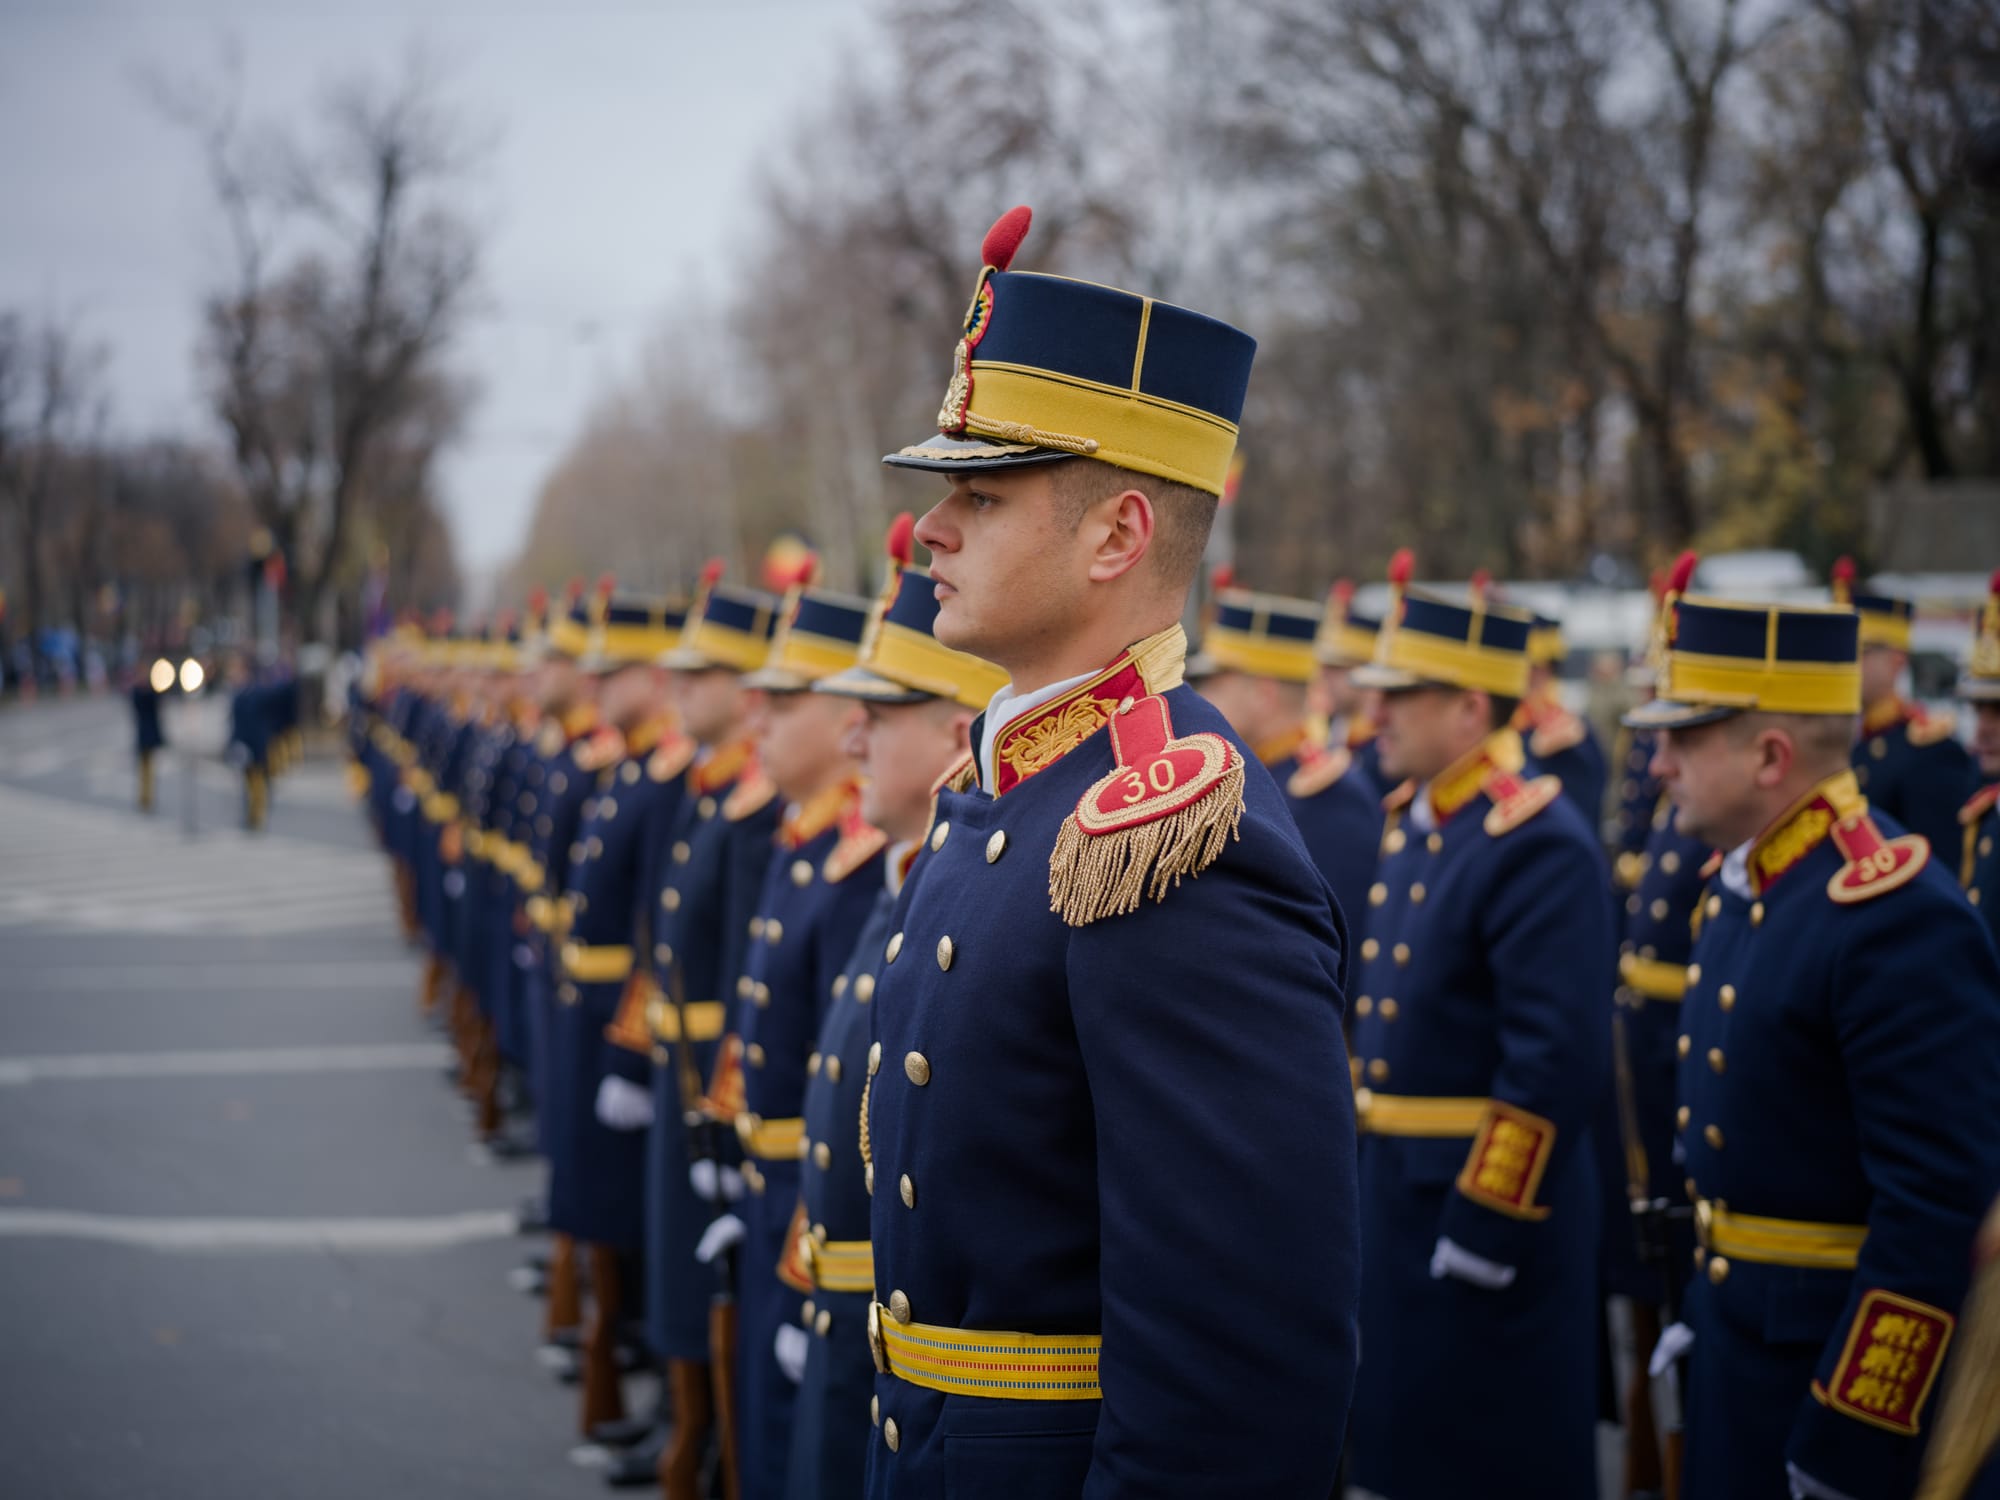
[919,698]
[1107,1120]
[250,744]
[1979,819]
[1559,742]
[1346,640]
[815,895]
[722,828]
[596,1169]
[1255,662]
[1481,1056]
[148,738]
[1839,1116]
[1908,762]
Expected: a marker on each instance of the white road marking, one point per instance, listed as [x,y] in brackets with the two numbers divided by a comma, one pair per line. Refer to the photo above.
[438,1232]
[352,974]
[253,1062]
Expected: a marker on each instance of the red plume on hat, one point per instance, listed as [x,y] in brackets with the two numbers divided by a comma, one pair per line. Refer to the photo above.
[1223,577]
[1993,584]
[1682,576]
[538,603]
[1402,565]
[1843,580]
[711,572]
[902,539]
[1480,585]
[1004,238]
[606,582]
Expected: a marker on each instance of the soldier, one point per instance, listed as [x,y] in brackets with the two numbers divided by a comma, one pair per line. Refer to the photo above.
[1481,1045]
[1558,741]
[250,743]
[1839,1086]
[1979,842]
[1113,1225]
[596,1167]
[919,698]
[1907,762]
[721,831]
[1346,640]
[815,895]
[148,739]
[1255,663]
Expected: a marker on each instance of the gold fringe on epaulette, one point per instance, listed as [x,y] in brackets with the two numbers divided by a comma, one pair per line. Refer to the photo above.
[1103,875]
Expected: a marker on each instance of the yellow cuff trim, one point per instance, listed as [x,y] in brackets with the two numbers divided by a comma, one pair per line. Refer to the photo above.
[1420,1116]
[772,1140]
[841,1265]
[1653,978]
[605,964]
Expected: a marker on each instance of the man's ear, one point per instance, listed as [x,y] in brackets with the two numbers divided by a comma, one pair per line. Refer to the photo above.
[1121,528]
[1775,754]
[961,731]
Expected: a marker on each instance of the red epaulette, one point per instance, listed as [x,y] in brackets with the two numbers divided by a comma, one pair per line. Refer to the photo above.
[1982,802]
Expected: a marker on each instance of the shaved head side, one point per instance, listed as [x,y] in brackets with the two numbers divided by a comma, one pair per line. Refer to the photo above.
[1182,514]
[1823,742]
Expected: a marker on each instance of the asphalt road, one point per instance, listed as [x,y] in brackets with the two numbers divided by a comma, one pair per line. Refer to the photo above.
[244,1249]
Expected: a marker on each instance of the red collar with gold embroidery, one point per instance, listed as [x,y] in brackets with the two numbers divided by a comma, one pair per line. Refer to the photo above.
[1044,735]
[1803,827]
[1498,755]
[807,820]
[1294,742]
[1886,715]
[721,767]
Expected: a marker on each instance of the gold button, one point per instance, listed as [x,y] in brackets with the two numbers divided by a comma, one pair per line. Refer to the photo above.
[1434,843]
[938,835]
[1973,895]
[864,989]
[661,1056]
[1985,846]
[839,986]
[629,772]
[874,1058]
[1417,893]
[1716,1059]
[944,951]
[823,1322]
[917,1068]
[1377,893]
[1378,1071]
[1684,1045]
[754,1054]
[996,846]
[891,1436]
[1878,747]
[774,932]
[662,954]
[1694,973]
[1693,1196]
[1389,1009]
[1713,1135]
[1718,1269]
[705,807]
[1370,948]
[745,987]
[899,1307]
[909,1191]
[1670,862]
[1757,915]
[1632,904]
[812,1066]
[1660,909]
[670,899]
[1681,1118]
[833,1069]
[822,1155]
[802,872]
[819,1234]
[1700,1257]
[1726,997]
[1402,953]
[806,1313]
[681,852]
[875,1410]
[895,947]
[761,996]
[1715,906]
[1393,841]
[1364,1006]
[756,929]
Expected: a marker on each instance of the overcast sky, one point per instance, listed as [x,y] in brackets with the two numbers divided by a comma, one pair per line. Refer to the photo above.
[628,136]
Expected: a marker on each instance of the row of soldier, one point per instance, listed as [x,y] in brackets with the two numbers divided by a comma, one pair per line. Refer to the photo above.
[933,1009]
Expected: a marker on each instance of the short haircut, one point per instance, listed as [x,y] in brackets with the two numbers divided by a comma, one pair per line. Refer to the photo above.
[1824,741]
[1500,711]
[1182,514]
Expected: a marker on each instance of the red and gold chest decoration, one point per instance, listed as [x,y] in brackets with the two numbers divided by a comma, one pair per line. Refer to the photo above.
[720,769]
[1836,809]
[1166,810]
[1037,740]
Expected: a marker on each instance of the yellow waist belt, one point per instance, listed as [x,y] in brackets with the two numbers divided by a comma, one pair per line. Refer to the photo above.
[705,1020]
[1417,1115]
[1777,1242]
[968,1362]
[772,1140]
[604,964]
[1653,978]
[841,1265]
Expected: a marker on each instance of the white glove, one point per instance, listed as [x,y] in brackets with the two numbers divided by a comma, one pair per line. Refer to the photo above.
[1454,1260]
[1675,1340]
[623,1105]
[724,1234]
[790,1347]
[713,1185]
[1805,1487]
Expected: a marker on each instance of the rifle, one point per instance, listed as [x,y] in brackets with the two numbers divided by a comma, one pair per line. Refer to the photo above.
[681,1459]
[1652,1458]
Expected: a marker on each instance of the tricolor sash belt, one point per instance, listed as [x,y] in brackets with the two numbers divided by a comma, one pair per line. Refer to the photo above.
[971,1362]
[1777,1242]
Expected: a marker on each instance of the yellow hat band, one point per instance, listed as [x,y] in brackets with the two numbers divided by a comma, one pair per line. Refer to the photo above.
[630,644]
[925,665]
[1015,403]
[1435,659]
[568,637]
[718,645]
[1772,687]
[1892,631]
[1260,656]
[810,657]
[1345,646]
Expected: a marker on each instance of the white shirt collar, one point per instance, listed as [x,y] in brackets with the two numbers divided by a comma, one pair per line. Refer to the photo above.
[1423,817]
[896,868]
[1736,870]
[1004,709]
